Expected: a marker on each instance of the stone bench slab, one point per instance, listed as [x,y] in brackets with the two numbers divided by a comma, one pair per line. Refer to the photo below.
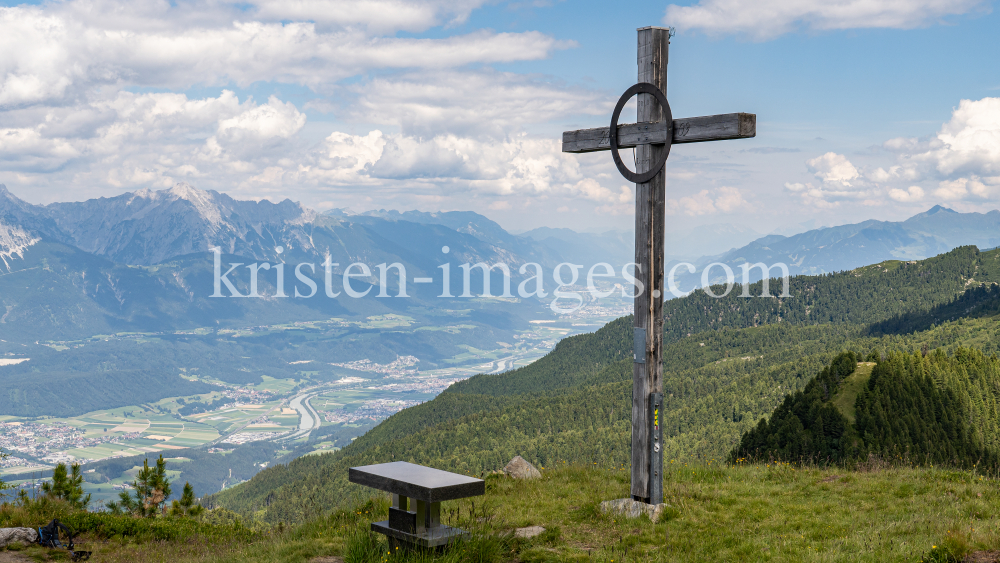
[416,481]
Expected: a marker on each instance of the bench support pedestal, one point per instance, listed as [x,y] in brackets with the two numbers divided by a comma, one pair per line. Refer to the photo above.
[421,528]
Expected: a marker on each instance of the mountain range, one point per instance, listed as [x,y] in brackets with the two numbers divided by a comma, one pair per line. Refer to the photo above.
[76,272]
[845,247]
[148,227]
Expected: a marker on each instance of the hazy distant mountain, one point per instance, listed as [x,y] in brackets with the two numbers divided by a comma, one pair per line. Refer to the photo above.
[466,222]
[147,227]
[83,268]
[709,240]
[614,247]
[846,247]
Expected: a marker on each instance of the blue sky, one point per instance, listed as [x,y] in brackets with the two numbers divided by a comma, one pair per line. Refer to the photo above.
[419,104]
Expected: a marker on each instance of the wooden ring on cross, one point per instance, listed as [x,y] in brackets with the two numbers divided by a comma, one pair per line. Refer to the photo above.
[641,88]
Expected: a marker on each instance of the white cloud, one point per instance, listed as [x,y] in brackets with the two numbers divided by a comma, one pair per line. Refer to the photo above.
[963,188]
[892,174]
[273,119]
[839,179]
[970,141]
[765,19]
[77,46]
[911,194]
[708,202]
[472,103]
[830,194]
[833,168]
[72,116]
[382,16]
[963,157]
[27,149]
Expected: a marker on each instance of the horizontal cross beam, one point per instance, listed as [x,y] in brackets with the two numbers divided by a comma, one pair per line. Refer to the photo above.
[687,130]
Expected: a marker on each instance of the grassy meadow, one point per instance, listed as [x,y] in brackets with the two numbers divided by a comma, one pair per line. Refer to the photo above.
[745,512]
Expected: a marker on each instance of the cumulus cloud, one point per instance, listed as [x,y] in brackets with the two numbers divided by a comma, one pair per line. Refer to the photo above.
[708,202]
[473,103]
[970,141]
[911,194]
[839,180]
[75,48]
[273,119]
[833,168]
[382,16]
[25,149]
[427,117]
[962,158]
[830,194]
[962,188]
[765,19]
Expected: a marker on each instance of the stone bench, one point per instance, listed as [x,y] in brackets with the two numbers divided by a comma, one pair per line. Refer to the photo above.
[427,488]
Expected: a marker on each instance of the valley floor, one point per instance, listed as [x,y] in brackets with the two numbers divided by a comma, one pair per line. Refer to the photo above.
[753,512]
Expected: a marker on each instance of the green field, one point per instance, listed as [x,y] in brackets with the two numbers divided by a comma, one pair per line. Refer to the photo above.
[849,389]
[276,386]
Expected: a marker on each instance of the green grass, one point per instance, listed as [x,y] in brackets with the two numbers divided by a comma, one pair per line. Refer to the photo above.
[748,512]
[847,396]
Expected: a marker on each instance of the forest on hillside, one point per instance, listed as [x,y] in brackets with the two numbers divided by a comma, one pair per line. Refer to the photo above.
[573,405]
[925,407]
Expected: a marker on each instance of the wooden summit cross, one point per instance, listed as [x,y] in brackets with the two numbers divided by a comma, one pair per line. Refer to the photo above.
[651,138]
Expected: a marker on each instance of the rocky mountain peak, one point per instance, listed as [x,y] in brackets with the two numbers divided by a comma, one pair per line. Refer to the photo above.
[14,241]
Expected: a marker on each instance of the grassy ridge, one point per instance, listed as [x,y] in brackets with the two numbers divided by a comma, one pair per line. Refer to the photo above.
[766,512]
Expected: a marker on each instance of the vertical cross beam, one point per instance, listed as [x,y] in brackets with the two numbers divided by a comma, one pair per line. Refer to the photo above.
[647,376]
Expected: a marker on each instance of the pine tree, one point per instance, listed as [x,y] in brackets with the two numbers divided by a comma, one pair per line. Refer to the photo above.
[3,484]
[151,492]
[186,505]
[67,485]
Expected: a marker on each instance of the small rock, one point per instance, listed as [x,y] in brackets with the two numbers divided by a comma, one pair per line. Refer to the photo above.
[25,536]
[633,509]
[327,559]
[519,468]
[529,532]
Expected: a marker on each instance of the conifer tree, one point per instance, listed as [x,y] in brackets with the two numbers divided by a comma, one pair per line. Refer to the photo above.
[151,492]
[67,485]
[3,484]
[186,505]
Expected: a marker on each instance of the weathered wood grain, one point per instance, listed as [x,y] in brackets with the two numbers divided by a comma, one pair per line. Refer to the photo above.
[653,44]
[649,137]
[721,127]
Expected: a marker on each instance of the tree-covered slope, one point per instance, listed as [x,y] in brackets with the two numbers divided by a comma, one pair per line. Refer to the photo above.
[927,407]
[574,404]
[865,295]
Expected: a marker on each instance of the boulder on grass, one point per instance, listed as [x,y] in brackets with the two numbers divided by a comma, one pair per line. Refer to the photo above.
[519,468]
[529,532]
[24,536]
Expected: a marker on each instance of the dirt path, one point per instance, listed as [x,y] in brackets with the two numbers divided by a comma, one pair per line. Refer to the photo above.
[13,557]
